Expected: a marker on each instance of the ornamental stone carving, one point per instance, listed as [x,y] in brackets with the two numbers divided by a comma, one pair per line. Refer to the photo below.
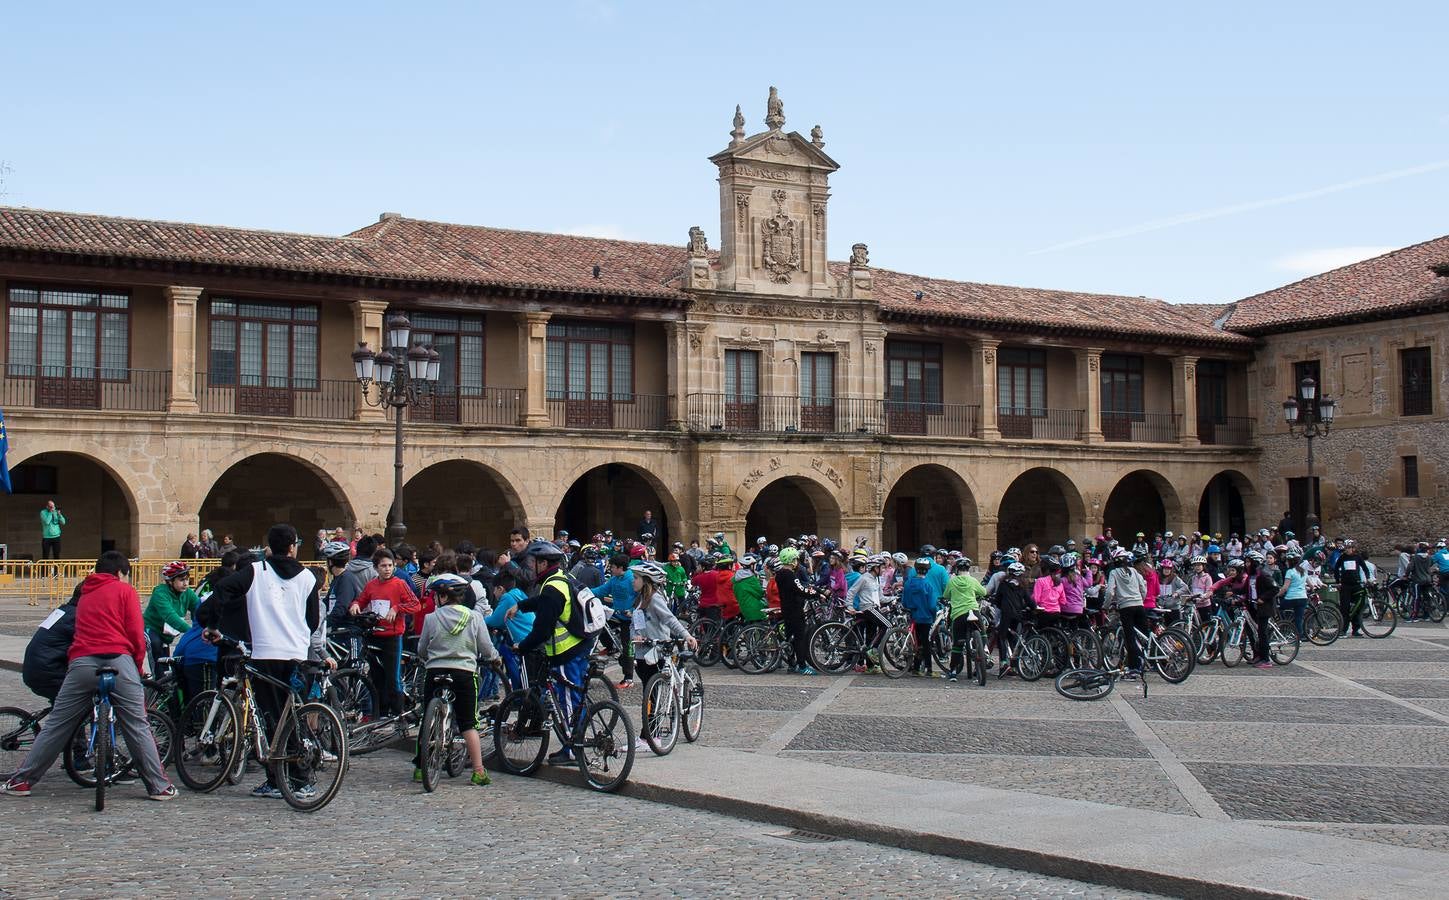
[742,205]
[990,356]
[774,111]
[738,134]
[780,242]
[859,256]
[698,245]
[817,137]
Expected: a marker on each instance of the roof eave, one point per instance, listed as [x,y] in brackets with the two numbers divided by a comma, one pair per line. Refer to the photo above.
[936,317]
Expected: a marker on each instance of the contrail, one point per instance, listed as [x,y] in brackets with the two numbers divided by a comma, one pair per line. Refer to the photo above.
[1219,212]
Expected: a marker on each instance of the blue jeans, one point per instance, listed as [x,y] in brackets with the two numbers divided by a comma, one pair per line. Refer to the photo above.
[1298,606]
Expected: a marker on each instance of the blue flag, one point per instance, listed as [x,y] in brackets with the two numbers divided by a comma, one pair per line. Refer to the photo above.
[4,446]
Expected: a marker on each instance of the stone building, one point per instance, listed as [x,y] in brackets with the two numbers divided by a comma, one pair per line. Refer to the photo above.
[163,377]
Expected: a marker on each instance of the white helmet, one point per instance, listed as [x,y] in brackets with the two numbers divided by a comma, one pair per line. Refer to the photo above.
[649,571]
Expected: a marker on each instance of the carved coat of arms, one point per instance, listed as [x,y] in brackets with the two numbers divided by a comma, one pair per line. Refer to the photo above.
[780,242]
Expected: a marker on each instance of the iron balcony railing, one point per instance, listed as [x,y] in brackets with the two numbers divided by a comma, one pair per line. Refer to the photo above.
[323,400]
[1234,431]
[784,414]
[1140,427]
[78,387]
[932,419]
[610,412]
[1040,423]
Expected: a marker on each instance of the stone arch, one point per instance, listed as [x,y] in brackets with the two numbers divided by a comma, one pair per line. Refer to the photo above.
[1041,505]
[930,503]
[1226,503]
[102,511]
[1142,500]
[260,489]
[613,495]
[456,499]
[791,504]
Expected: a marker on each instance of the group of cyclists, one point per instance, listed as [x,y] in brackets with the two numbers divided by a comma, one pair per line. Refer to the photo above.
[479,622]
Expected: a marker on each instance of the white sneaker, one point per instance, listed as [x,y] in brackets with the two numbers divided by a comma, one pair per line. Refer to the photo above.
[642,746]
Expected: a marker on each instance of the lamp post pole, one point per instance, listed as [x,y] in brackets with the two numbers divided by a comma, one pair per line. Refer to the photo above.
[1313,422]
[399,377]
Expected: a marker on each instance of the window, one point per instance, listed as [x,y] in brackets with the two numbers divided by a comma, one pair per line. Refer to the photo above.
[263,345]
[742,376]
[817,379]
[1021,381]
[913,372]
[34,478]
[1122,386]
[1411,476]
[590,361]
[1212,391]
[1416,382]
[459,342]
[1307,409]
[68,333]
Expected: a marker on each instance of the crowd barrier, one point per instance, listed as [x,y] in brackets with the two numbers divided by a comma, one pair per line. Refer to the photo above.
[50,582]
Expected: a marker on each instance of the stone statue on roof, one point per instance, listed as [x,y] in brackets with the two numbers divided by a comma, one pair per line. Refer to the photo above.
[698,243]
[859,257]
[817,137]
[738,134]
[774,111]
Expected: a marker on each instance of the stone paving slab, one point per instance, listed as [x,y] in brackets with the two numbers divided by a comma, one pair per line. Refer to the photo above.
[1329,793]
[1357,670]
[1277,710]
[1210,681]
[1409,687]
[1324,744]
[740,729]
[1419,836]
[1361,651]
[1120,782]
[758,697]
[917,734]
[965,702]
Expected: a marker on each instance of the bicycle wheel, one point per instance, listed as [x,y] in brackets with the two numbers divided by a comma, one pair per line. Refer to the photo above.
[1434,605]
[1032,662]
[314,745]
[599,688]
[898,650]
[1176,660]
[1323,624]
[78,756]
[17,733]
[707,633]
[520,732]
[757,650]
[1282,644]
[978,654]
[209,742]
[1058,658]
[104,753]
[833,648]
[1233,652]
[1084,684]
[434,742]
[727,643]
[1086,649]
[1112,649]
[693,700]
[941,644]
[659,722]
[603,744]
[1379,618]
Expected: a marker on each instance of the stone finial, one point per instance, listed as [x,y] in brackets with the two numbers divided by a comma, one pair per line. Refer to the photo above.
[817,137]
[698,244]
[774,111]
[738,134]
[859,257]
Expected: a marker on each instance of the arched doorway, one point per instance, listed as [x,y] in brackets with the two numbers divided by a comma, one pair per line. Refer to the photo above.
[1223,508]
[792,506]
[1142,501]
[1041,506]
[263,490]
[930,504]
[459,500]
[100,513]
[614,497]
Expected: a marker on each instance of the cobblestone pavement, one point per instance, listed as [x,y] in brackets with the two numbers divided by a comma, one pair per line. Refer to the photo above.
[508,839]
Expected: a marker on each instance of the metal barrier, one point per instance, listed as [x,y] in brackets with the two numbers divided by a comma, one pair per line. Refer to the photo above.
[50,582]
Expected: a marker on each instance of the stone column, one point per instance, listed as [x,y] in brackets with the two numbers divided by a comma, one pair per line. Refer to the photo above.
[852,527]
[533,350]
[1089,392]
[181,341]
[985,362]
[1184,399]
[367,326]
[985,541]
[676,374]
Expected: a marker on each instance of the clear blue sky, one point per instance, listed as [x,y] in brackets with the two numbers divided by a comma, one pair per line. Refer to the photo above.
[975,139]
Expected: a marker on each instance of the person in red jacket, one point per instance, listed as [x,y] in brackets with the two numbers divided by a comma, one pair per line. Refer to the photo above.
[108,634]
[391,598]
[724,574]
[709,599]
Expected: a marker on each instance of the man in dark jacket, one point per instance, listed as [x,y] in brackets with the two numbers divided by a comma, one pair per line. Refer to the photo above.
[46,656]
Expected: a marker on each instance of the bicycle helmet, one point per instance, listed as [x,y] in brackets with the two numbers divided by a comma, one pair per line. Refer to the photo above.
[1054,558]
[772,565]
[924,564]
[1214,548]
[1056,550]
[1199,560]
[543,550]
[333,549]
[928,550]
[174,570]
[638,552]
[1168,535]
[1070,560]
[900,559]
[454,587]
[761,540]
[963,564]
[1167,564]
[1292,554]
[789,556]
[1235,564]
[748,560]
[649,571]
[724,561]
[773,549]
[1256,557]
[1013,552]
[1071,544]
[1049,564]
[1016,570]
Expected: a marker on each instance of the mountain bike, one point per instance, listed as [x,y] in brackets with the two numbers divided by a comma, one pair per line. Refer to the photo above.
[18,730]
[1091,684]
[1241,640]
[598,735]
[440,744]
[78,756]
[102,744]
[673,699]
[1167,649]
[763,647]
[1374,612]
[838,647]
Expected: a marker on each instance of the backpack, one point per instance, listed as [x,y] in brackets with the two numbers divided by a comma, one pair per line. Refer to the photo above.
[589,611]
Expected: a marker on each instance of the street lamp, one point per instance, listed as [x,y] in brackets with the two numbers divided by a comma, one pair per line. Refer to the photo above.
[1312,425]
[402,376]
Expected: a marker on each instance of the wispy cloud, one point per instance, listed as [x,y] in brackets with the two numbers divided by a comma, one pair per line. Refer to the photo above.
[1322,259]
[599,230]
[1221,211]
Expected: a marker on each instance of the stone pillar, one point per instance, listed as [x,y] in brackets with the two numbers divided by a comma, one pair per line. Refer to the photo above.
[1089,392]
[181,341]
[543,528]
[676,366]
[367,326]
[985,541]
[1184,399]
[533,350]
[985,362]
[852,527]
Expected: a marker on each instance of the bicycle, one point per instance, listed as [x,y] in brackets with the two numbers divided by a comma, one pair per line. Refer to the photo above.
[673,699]
[762,647]
[77,756]
[1373,611]
[102,743]
[18,730]
[1091,684]
[440,744]
[600,738]
[1242,639]
[1167,649]
[307,741]
[837,647]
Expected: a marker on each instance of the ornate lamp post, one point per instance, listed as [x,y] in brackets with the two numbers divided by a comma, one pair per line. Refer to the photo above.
[400,376]
[1312,425]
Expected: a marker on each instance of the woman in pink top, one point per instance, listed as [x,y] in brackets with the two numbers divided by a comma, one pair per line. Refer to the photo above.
[1047,593]
[1074,586]
[1154,587]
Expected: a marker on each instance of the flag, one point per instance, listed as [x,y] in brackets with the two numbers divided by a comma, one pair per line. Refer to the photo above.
[4,446]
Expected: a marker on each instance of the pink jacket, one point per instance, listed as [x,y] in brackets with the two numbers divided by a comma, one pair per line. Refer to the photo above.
[1048,594]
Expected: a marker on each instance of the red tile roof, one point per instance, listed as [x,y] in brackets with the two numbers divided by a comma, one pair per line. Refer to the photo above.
[1395,283]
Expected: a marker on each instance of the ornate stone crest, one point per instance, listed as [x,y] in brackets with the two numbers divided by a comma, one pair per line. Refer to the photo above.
[859,256]
[698,244]
[780,242]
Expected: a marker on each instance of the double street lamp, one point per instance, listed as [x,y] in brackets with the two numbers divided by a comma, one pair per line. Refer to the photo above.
[1313,424]
[402,375]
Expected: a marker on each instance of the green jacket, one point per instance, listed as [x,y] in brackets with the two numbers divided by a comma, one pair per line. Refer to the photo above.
[50,523]
[964,593]
[750,594]
[676,580]
[166,607]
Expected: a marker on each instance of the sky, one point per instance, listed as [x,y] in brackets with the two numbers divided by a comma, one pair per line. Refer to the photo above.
[1192,152]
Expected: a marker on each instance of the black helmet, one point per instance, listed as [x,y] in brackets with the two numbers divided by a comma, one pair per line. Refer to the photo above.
[928,550]
[543,550]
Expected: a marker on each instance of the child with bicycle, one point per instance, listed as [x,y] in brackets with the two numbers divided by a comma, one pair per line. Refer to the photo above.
[653,621]
[964,595]
[454,639]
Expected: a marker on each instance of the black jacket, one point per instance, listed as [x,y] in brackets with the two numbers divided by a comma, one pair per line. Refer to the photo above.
[47,656]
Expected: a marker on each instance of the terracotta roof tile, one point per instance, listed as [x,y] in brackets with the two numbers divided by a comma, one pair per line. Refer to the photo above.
[1401,281]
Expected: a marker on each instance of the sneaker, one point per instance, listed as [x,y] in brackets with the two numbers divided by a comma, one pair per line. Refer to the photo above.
[15,788]
[328,756]
[1265,664]
[1132,675]
[304,791]
[625,684]
[873,655]
[642,746]
[480,779]
[859,670]
[417,776]
[127,778]
[990,664]
[806,670]
[166,793]
[561,758]
[267,791]
[951,677]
